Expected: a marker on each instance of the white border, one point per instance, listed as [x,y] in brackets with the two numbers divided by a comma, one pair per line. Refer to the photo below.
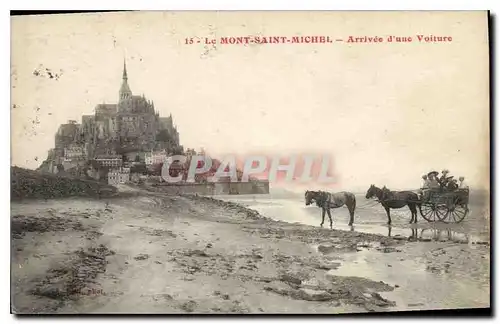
[182,5]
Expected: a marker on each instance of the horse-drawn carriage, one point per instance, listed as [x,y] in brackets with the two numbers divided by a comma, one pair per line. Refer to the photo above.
[443,205]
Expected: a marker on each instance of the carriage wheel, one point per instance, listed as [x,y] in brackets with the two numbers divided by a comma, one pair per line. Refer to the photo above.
[429,212]
[442,212]
[456,214]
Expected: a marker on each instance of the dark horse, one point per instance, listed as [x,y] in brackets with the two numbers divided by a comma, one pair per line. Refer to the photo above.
[327,200]
[395,199]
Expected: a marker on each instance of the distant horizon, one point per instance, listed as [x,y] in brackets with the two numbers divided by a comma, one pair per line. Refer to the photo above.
[356,191]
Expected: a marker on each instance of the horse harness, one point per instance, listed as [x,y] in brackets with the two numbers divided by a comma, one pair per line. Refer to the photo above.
[328,200]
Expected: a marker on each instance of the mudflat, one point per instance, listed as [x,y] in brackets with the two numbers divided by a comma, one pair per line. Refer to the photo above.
[153,253]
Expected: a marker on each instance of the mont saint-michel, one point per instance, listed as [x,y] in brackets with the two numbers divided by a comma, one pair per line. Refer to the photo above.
[117,134]
[128,142]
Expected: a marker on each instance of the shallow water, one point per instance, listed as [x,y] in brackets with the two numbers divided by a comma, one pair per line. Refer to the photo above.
[371,218]
[418,288]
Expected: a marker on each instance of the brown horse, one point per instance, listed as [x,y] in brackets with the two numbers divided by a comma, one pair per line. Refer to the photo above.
[327,200]
[395,199]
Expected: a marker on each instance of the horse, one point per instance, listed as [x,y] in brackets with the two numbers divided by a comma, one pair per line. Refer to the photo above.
[327,200]
[395,199]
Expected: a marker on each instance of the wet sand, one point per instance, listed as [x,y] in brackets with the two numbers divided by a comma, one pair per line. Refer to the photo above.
[150,253]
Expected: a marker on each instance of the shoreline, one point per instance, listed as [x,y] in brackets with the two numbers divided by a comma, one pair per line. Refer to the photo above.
[245,262]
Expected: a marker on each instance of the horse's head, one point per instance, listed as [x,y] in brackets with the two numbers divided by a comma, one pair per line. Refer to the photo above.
[371,192]
[309,196]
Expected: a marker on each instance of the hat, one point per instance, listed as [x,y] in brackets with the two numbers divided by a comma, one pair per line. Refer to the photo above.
[461,178]
[445,171]
[432,173]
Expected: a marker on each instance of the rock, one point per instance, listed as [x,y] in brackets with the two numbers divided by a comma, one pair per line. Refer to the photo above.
[196,253]
[389,250]
[328,266]
[326,248]
[482,243]
[314,295]
[289,279]
[141,257]
[381,301]
[50,292]
[188,306]
[311,283]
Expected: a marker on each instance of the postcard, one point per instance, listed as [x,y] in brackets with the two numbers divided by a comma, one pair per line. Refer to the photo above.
[250,162]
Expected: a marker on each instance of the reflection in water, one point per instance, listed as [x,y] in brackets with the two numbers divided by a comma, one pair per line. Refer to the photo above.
[434,234]
[367,220]
[444,235]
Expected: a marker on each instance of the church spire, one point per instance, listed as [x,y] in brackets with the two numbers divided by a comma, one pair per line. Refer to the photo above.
[125,70]
[125,91]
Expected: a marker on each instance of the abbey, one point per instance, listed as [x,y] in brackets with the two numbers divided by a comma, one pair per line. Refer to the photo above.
[122,131]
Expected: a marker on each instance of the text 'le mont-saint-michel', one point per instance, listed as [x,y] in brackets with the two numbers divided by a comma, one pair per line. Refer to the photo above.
[249,40]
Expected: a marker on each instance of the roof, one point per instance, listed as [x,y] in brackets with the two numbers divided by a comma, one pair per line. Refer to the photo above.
[67,129]
[106,109]
[100,157]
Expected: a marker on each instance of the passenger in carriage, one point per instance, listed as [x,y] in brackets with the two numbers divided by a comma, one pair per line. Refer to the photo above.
[462,184]
[444,177]
[425,183]
[433,181]
[424,186]
[429,184]
[452,184]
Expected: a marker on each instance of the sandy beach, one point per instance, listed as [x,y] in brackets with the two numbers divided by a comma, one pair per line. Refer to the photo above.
[145,252]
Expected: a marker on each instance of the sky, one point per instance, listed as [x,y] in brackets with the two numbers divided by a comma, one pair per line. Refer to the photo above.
[385,113]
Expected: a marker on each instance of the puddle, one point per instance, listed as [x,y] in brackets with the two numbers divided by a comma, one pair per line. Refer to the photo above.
[415,286]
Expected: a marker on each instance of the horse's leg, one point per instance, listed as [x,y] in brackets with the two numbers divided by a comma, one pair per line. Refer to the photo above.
[352,208]
[411,211]
[322,217]
[414,214]
[388,211]
[330,216]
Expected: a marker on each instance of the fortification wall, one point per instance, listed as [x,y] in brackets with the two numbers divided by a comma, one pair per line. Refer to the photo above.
[213,189]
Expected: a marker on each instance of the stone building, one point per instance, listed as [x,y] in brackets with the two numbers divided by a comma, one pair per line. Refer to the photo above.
[155,157]
[117,176]
[129,128]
